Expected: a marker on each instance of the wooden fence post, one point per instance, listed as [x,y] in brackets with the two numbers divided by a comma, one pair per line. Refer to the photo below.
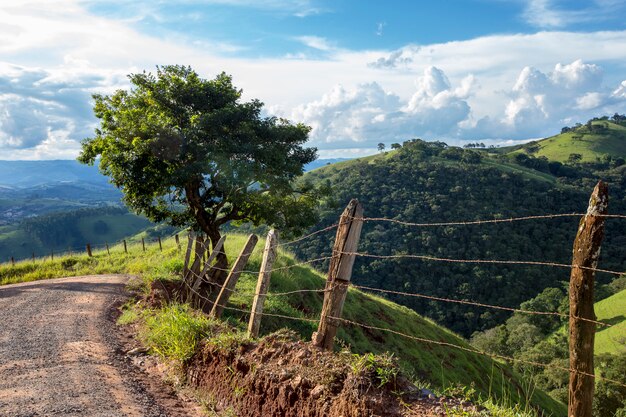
[263,283]
[200,249]
[52,254]
[339,273]
[177,241]
[107,245]
[581,332]
[216,250]
[125,247]
[187,255]
[33,256]
[88,250]
[160,246]
[233,276]
[12,261]
[143,244]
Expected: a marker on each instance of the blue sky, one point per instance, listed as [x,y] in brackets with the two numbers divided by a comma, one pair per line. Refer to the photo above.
[358,72]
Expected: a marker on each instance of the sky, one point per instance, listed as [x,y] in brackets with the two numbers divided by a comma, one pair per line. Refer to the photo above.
[359,72]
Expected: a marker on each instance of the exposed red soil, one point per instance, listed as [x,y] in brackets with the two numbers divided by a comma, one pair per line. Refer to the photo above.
[281,376]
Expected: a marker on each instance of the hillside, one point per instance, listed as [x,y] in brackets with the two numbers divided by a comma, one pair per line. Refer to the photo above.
[595,141]
[68,230]
[428,182]
[612,310]
[442,368]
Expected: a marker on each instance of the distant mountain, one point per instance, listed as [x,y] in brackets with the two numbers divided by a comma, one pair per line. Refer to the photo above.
[22,174]
[322,162]
[32,173]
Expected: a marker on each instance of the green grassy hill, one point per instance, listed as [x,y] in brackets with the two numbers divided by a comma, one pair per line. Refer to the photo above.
[429,182]
[442,368]
[71,230]
[612,310]
[604,138]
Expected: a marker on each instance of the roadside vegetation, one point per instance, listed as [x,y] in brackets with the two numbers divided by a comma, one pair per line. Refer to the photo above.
[174,331]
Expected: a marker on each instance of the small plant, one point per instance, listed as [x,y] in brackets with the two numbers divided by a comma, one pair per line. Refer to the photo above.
[383,368]
[174,331]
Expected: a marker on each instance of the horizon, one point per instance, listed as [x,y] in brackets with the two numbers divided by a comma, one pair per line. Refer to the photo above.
[494,71]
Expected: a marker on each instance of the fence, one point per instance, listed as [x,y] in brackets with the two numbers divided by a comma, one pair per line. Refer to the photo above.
[583,268]
[200,274]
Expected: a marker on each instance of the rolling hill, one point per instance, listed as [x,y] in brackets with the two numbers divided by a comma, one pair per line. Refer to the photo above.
[426,182]
[593,141]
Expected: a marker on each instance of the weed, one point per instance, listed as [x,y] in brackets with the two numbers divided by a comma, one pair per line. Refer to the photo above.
[383,368]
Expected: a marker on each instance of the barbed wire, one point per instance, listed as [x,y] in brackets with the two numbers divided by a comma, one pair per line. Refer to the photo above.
[291,242]
[476,351]
[451,300]
[487,221]
[481,261]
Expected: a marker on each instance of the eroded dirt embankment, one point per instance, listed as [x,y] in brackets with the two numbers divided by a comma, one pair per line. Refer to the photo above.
[280,376]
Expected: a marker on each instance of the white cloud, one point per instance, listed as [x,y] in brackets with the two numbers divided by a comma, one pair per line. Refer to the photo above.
[316,42]
[570,93]
[547,14]
[53,55]
[367,114]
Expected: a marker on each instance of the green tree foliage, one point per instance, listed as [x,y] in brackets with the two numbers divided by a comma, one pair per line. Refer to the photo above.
[188,151]
[428,182]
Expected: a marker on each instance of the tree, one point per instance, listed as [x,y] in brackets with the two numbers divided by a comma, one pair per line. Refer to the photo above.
[381,147]
[574,158]
[395,146]
[188,151]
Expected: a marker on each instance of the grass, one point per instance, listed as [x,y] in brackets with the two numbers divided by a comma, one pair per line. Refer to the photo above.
[441,366]
[589,146]
[611,310]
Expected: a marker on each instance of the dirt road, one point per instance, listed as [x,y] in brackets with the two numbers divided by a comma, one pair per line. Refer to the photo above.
[60,353]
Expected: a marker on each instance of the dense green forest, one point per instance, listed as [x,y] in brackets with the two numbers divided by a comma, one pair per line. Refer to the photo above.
[432,182]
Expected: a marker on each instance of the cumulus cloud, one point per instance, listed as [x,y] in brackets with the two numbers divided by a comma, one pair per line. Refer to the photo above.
[366,114]
[570,93]
[47,110]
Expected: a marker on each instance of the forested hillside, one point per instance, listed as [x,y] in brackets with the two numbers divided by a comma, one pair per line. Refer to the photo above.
[429,182]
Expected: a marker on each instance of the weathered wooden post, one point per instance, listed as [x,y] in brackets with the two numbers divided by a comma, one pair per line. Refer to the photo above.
[12,261]
[107,245]
[263,283]
[200,249]
[233,276]
[582,332]
[187,255]
[143,244]
[125,247]
[52,254]
[339,273]
[207,265]
[88,250]
[160,246]
[177,241]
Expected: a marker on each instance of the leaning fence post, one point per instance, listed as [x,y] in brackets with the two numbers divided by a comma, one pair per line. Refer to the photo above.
[143,244]
[177,241]
[160,246]
[582,332]
[263,283]
[125,247]
[107,245]
[187,255]
[233,276]
[88,250]
[339,273]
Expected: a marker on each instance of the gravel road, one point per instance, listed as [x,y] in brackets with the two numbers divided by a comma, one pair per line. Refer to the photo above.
[61,353]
